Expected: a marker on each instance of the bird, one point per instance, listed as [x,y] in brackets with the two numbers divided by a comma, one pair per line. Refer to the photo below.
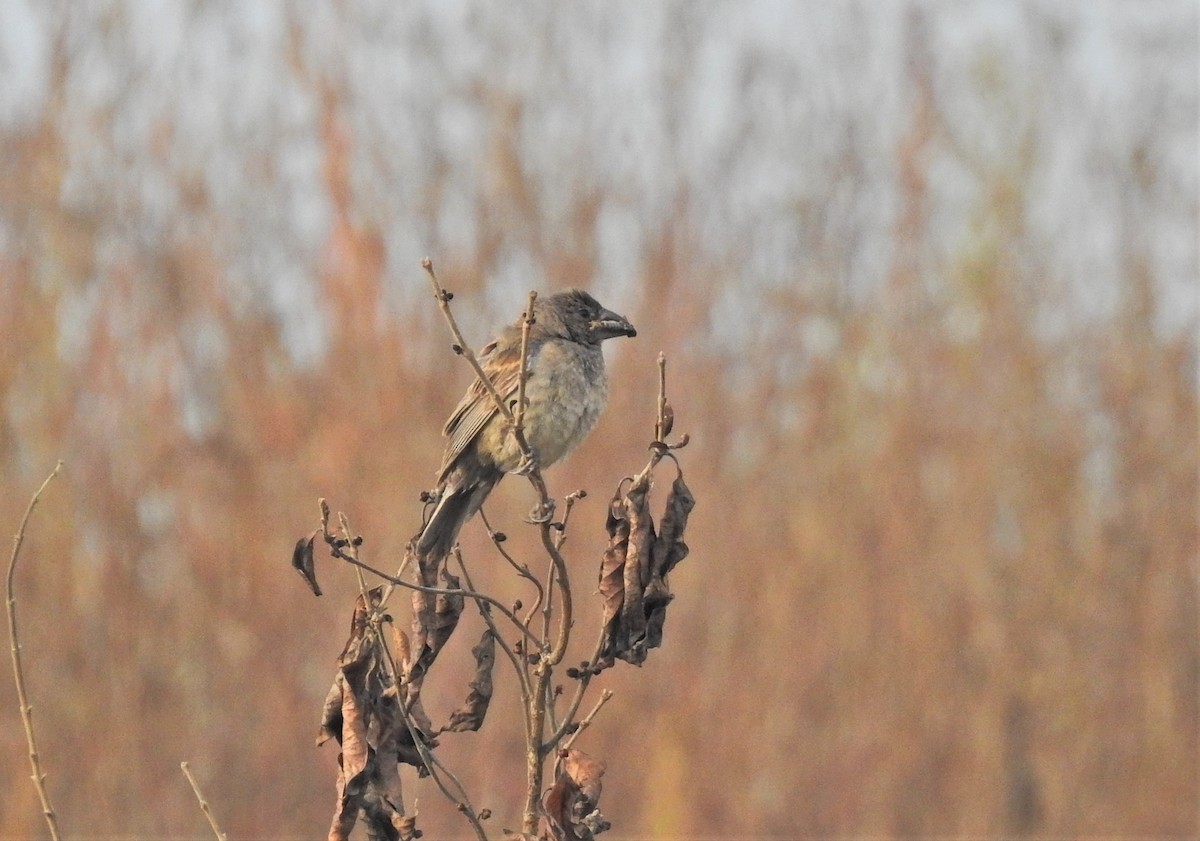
[565,391]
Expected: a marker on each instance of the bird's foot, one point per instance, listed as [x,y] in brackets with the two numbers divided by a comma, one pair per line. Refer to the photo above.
[528,464]
[541,513]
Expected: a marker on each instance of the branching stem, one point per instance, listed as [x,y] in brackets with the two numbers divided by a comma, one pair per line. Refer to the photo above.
[39,779]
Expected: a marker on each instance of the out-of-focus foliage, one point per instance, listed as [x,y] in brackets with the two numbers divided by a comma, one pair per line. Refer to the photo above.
[933,275]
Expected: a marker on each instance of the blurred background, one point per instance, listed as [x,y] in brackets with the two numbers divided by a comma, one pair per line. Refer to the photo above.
[926,276]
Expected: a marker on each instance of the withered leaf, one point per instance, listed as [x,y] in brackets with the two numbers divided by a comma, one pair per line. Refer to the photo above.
[669,548]
[363,712]
[360,644]
[612,576]
[572,803]
[473,710]
[656,601]
[302,561]
[446,613]
[637,570]
[434,619]
[668,421]
[612,567]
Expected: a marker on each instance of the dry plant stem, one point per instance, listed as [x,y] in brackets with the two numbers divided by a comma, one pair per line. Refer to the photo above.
[204,807]
[443,298]
[526,324]
[571,499]
[521,569]
[564,587]
[577,698]
[535,751]
[660,421]
[39,779]
[432,763]
[352,550]
[349,552]
[522,677]
[439,591]
[605,697]
[548,605]
[463,349]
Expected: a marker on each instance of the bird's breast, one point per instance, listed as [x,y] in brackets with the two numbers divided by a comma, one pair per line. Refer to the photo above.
[567,390]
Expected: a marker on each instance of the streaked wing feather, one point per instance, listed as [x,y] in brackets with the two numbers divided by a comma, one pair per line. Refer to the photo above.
[500,361]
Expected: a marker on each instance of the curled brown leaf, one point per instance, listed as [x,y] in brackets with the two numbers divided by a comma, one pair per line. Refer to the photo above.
[302,561]
[637,569]
[473,710]
[572,803]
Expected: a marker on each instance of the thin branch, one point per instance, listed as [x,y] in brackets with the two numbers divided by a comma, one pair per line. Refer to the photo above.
[438,591]
[522,677]
[584,679]
[660,422]
[521,569]
[564,587]
[526,323]
[528,459]
[605,697]
[463,349]
[204,807]
[434,765]
[39,779]
[571,499]
[351,549]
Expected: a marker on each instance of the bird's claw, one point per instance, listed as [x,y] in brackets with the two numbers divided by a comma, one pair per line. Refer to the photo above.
[528,465]
[541,513]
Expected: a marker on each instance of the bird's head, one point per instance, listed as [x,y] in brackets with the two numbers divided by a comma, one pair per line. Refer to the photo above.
[576,315]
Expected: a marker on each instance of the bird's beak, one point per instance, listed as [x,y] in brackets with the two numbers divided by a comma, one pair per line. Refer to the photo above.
[609,324]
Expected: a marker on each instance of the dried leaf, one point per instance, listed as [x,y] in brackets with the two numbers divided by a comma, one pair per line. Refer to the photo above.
[571,804]
[471,714]
[668,421]
[401,649]
[302,561]
[362,711]
[434,619]
[637,571]
[670,549]
[359,645]
[612,576]
[446,613]
[655,603]
[612,567]
[331,713]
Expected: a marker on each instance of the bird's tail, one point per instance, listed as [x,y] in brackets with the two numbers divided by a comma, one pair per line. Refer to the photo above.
[456,506]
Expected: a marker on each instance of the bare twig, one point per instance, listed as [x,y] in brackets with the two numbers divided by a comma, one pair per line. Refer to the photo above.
[521,569]
[605,697]
[351,549]
[660,422]
[533,471]
[522,677]
[526,323]
[534,749]
[39,779]
[585,678]
[434,765]
[571,499]
[463,349]
[437,591]
[204,807]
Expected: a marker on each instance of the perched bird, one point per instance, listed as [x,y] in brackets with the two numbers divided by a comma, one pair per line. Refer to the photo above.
[565,391]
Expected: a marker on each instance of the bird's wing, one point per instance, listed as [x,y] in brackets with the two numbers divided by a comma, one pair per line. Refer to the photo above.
[501,361]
